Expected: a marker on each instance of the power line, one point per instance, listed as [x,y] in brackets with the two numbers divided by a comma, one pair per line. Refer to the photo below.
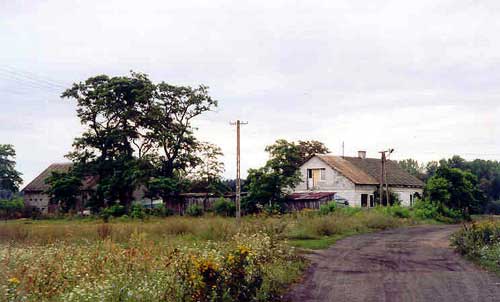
[33,76]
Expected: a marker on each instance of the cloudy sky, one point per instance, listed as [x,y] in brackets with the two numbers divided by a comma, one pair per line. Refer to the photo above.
[422,77]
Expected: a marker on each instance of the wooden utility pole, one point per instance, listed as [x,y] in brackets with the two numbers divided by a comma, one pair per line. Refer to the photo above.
[383,176]
[381,188]
[238,123]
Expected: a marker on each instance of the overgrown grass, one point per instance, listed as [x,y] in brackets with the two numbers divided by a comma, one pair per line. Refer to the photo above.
[174,258]
[480,242]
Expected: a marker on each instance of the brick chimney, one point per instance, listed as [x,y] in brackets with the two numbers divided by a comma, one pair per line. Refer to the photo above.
[362,154]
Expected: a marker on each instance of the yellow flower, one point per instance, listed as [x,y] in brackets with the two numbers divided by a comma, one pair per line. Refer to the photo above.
[14,280]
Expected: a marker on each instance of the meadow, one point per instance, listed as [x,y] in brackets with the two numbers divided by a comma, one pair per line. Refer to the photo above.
[207,258]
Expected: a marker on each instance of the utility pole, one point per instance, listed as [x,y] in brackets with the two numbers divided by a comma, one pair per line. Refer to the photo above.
[383,176]
[238,123]
[343,149]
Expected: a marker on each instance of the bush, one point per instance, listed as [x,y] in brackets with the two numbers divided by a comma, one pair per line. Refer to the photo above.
[113,211]
[350,211]
[161,211]
[224,207]
[328,208]
[194,210]
[137,211]
[273,209]
[426,209]
[471,239]
[11,208]
[395,211]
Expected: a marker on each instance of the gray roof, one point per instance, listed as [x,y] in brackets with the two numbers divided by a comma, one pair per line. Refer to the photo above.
[366,171]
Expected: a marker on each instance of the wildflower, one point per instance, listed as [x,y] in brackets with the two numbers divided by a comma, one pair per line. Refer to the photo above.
[14,280]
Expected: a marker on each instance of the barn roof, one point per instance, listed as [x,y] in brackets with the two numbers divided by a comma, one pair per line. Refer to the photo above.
[310,195]
[367,171]
[38,184]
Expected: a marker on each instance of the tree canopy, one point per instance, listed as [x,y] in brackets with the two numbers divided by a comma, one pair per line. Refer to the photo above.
[10,178]
[136,133]
[271,183]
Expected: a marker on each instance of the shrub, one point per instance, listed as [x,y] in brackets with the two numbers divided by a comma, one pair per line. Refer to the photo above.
[472,239]
[395,211]
[273,209]
[350,211]
[194,210]
[161,211]
[328,208]
[137,211]
[425,209]
[224,207]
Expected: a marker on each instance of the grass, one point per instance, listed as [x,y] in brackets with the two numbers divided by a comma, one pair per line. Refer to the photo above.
[320,243]
[171,259]
[480,242]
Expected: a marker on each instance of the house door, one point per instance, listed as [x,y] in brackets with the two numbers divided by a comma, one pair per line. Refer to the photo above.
[372,203]
[316,175]
[364,200]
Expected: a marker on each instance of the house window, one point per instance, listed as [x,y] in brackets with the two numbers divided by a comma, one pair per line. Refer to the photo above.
[322,173]
[411,200]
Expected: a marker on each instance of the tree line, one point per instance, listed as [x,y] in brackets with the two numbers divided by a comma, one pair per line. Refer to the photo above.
[140,135]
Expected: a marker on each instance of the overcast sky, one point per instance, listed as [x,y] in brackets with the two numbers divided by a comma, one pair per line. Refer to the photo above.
[421,77]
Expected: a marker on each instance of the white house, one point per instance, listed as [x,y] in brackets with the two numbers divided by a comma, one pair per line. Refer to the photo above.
[356,179]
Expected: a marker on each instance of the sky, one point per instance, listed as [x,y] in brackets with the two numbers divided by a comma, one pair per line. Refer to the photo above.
[421,77]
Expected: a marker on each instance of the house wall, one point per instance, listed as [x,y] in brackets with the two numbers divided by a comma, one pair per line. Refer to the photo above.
[404,194]
[334,182]
[362,189]
[38,200]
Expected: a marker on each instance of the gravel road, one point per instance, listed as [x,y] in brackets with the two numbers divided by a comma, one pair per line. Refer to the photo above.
[406,264]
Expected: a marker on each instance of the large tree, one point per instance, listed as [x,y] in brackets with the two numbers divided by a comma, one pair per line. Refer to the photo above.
[207,175]
[112,110]
[271,183]
[10,178]
[413,167]
[456,189]
[309,148]
[170,131]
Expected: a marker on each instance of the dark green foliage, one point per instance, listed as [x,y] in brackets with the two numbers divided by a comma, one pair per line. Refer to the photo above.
[427,209]
[413,167]
[456,189]
[64,189]
[395,211]
[137,133]
[137,211]
[11,208]
[269,185]
[393,198]
[113,211]
[328,208]
[10,178]
[194,210]
[224,207]
[307,149]
[472,239]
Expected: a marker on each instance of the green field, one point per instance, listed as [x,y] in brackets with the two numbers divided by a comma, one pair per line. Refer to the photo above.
[170,259]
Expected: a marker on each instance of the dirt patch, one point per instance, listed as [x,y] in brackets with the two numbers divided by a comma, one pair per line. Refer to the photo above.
[407,264]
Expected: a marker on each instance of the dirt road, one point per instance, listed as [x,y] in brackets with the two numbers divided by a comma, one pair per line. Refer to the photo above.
[407,264]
